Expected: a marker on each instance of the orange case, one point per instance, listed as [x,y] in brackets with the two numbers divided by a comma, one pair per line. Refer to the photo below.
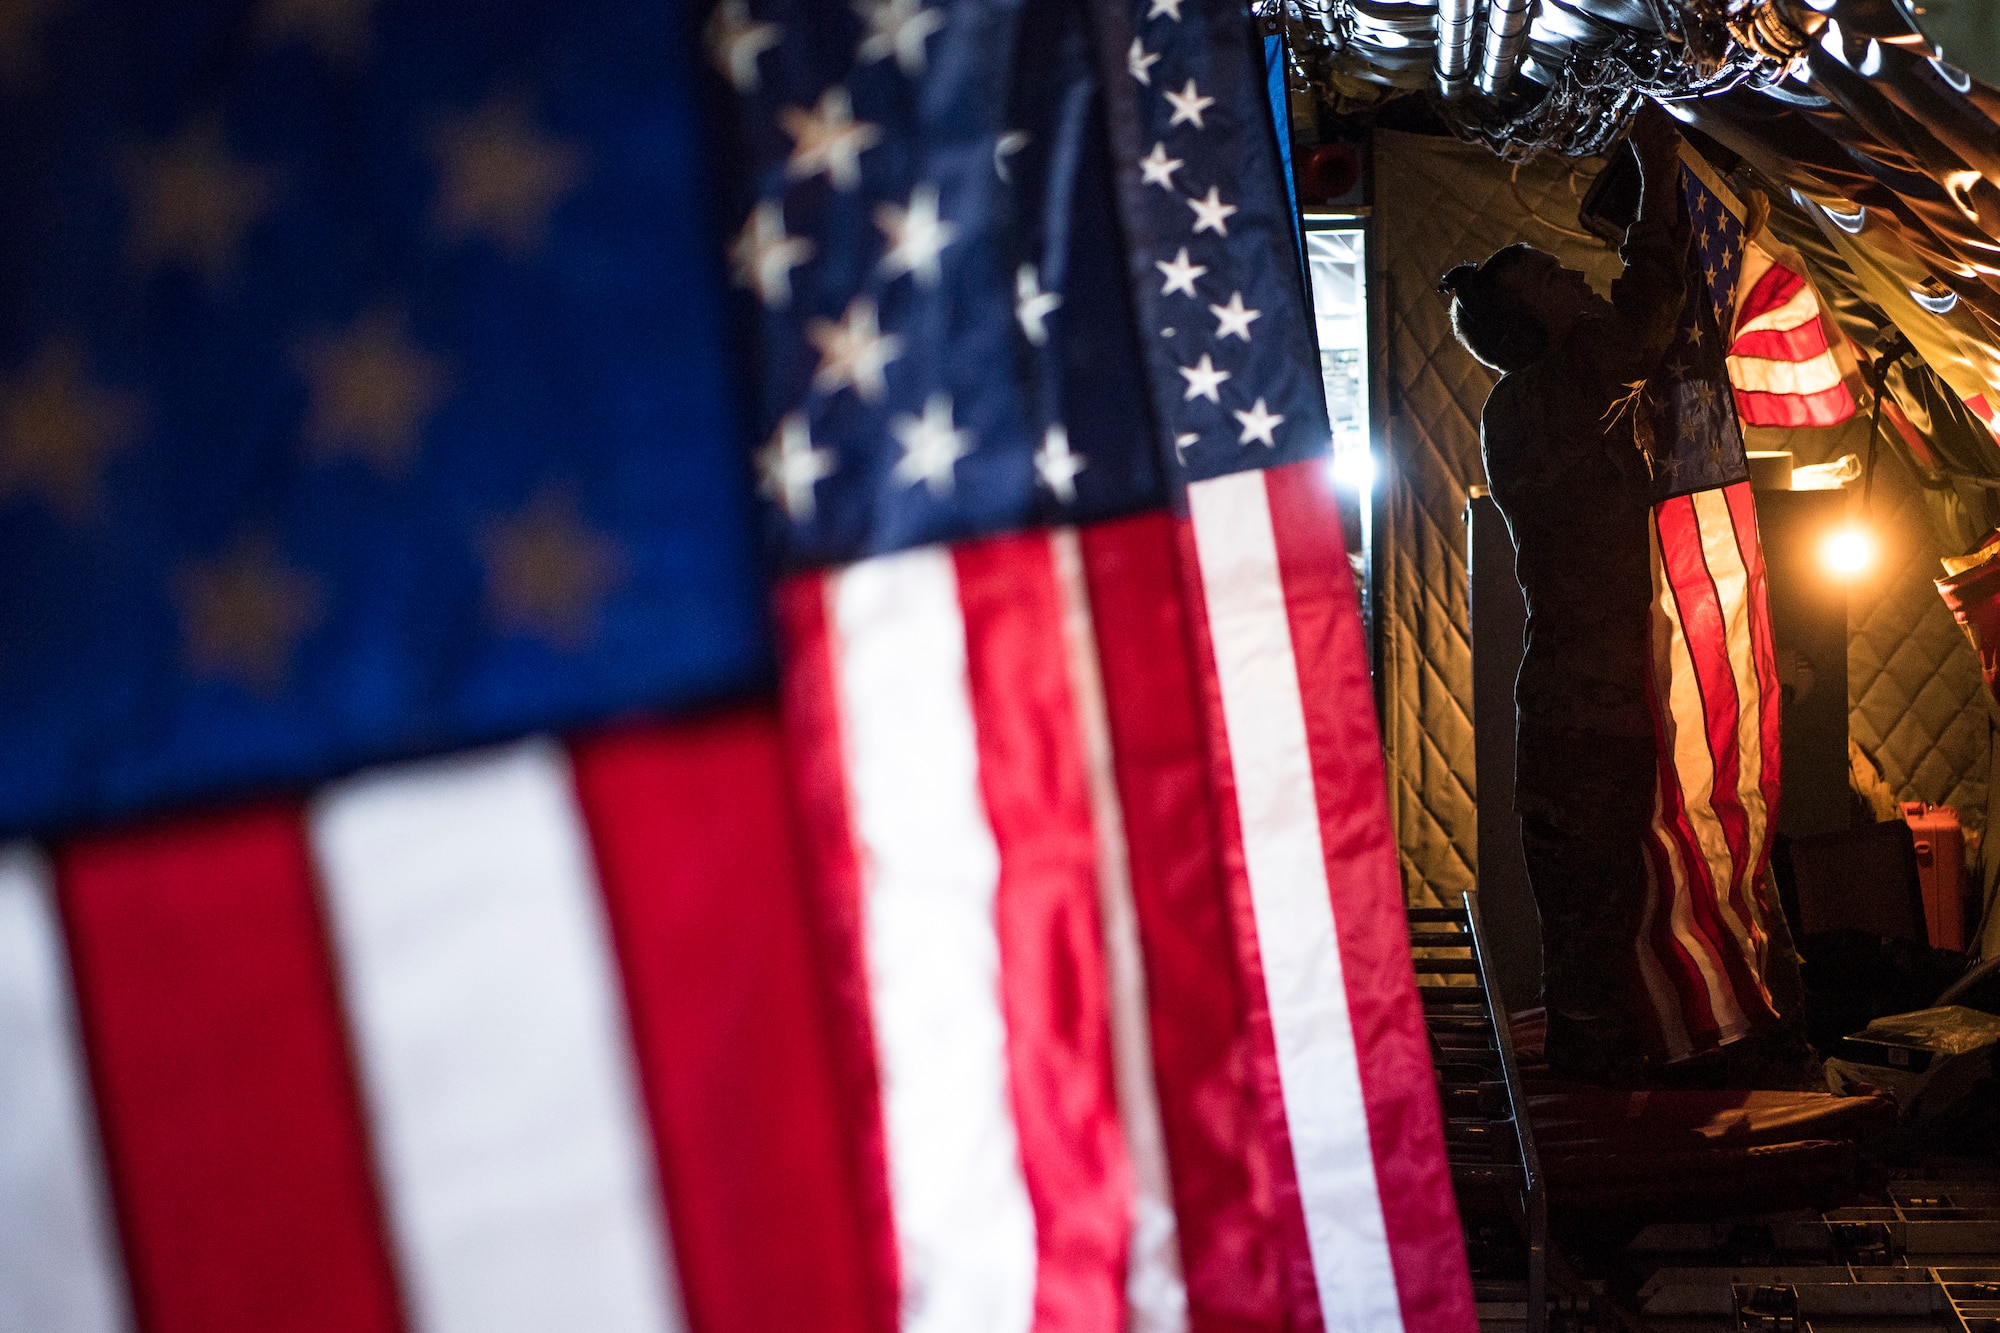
[1941,867]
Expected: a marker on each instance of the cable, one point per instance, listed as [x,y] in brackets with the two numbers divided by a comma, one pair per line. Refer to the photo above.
[1514,184]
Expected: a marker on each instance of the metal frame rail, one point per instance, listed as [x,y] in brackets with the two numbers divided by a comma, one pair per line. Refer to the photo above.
[1489,1143]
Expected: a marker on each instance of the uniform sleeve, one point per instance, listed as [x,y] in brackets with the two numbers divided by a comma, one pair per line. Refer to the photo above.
[1646,299]
[1626,342]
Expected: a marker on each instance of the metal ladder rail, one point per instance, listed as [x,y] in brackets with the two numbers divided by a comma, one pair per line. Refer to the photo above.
[1469,1028]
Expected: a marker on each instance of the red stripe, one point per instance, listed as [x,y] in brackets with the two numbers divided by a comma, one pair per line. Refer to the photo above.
[226,1092]
[692,831]
[1295,1253]
[1034,779]
[815,752]
[1680,876]
[1688,578]
[1776,287]
[1828,407]
[1746,858]
[1708,659]
[1399,1084]
[1704,622]
[1799,344]
[1750,546]
[1201,1044]
[1667,849]
[1984,411]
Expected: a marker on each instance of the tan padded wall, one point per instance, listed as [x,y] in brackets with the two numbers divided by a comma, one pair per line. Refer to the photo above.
[1438,202]
[1916,704]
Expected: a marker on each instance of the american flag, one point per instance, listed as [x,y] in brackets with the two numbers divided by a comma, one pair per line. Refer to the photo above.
[1041,771]
[363,396]
[1780,361]
[1714,687]
[1035,961]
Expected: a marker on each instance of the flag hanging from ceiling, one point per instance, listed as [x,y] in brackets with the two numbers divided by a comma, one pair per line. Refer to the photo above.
[1780,361]
[1714,688]
[508,1040]
[1044,968]
[360,393]
[1340,1055]
[363,394]
[1041,771]
[1692,438]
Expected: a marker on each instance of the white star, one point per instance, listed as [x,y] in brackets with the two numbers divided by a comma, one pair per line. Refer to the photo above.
[932,445]
[1158,169]
[1233,320]
[765,256]
[899,28]
[1057,464]
[1202,380]
[1033,306]
[828,138]
[1258,424]
[735,42]
[1139,63]
[853,352]
[789,467]
[1211,214]
[1171,8]
[1004,147]
[1188,105]
[1181,443]
[916,236]
[1180,274]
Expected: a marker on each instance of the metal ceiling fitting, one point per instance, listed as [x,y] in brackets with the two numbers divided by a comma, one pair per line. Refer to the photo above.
[1506,34]
[1527,76]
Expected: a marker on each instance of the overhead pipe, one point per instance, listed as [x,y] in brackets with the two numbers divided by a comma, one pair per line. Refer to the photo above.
[1456,20]
[1506,35]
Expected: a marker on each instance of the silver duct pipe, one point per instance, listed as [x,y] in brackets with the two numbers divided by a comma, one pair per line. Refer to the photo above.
[1506,34]
[1456,20]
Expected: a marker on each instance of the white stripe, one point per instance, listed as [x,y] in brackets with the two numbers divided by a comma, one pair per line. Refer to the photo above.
[1725,569]
[59,1269]
[1756,263]
[1652,969]
[1680,696]
[492,1045]
[1680,917]
[1155,1293]
[930,869]
[1762,375]
[1732,585]
[1286,865]
[1798,308]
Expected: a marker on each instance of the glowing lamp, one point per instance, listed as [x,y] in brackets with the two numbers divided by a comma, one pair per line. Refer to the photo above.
[1354,470]
[1847,552]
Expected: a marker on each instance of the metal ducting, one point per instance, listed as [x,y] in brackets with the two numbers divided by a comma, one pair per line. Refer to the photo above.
[1456,20]
[1506,35]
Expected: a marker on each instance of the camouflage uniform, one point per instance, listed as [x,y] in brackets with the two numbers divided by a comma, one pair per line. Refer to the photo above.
[1577,496]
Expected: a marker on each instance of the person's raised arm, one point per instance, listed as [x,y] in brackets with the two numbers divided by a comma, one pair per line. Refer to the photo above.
[1647,296]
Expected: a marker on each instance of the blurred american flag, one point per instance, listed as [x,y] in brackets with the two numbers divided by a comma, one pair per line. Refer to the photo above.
[1036,961]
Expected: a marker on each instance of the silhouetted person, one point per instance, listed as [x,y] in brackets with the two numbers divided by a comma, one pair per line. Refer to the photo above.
[1576,492]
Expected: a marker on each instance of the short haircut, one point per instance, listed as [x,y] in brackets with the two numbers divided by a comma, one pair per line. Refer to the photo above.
[1489,321]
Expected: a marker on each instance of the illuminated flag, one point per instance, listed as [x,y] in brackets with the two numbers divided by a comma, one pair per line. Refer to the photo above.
[1040,965]
[1714,688]
[1780,361]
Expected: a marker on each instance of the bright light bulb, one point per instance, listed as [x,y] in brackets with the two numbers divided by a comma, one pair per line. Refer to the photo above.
[1847,551]
[1354,470]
